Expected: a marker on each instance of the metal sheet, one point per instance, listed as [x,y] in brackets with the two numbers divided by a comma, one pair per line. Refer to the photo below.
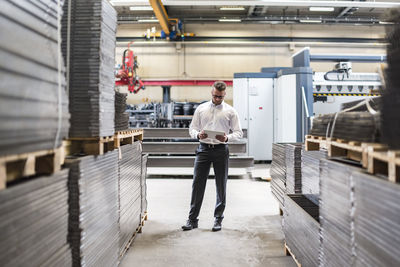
[91,69]
[376,221]
[185,147]
[93,218]
[30,122]
[130,191]
[188,161]
[301,228]
[34,222]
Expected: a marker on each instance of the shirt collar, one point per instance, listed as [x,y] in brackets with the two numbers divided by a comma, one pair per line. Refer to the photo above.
[216,106]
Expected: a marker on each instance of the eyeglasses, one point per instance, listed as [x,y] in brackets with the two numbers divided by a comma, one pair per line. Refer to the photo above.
[218,96]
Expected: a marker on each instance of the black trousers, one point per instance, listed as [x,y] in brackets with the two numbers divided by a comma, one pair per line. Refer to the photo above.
[218,155]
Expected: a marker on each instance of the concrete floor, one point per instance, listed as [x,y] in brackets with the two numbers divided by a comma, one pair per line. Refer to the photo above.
[251,234]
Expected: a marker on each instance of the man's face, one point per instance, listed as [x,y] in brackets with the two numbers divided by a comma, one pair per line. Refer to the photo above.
[217,96]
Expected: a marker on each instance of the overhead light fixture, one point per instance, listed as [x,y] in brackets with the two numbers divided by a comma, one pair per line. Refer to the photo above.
[229,20]
[386,22]
[310,21]
[148,20]
[140,8]
[322,9]
[231,8]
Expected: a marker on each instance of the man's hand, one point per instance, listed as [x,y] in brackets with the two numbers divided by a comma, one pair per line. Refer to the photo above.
[202,135]
[222,138]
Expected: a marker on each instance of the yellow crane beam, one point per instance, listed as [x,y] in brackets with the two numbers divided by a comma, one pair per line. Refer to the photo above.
[161,14]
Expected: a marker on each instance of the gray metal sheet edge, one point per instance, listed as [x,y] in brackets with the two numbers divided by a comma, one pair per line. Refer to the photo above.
[297,70]
[254,75]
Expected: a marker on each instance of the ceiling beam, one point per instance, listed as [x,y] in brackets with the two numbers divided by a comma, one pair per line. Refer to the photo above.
[296,3]
[161,14]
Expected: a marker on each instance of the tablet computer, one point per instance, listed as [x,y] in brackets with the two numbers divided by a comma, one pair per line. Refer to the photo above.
[212,134]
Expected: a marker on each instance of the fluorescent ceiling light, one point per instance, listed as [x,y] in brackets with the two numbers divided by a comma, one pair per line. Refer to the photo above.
[310,21]
[231,8]
[140,8]
[148,20]
[229,20]
[322,8]
[385,22]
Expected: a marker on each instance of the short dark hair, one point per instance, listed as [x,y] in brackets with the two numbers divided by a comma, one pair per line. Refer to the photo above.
[220,86]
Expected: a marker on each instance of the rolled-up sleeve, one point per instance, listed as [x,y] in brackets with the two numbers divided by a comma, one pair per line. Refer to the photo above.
[194,128]
[237,132]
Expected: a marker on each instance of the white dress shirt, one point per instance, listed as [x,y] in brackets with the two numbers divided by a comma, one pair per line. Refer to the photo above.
[222,118]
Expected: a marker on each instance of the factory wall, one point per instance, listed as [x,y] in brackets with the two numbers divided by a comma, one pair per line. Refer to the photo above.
[208,60]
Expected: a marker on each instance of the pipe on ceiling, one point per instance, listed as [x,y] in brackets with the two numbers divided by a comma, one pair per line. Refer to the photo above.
[295,3]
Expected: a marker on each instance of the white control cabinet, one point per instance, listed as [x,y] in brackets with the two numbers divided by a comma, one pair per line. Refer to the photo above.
[253,95]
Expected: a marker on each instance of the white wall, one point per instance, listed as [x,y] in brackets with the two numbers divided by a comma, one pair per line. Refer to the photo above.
[207,60]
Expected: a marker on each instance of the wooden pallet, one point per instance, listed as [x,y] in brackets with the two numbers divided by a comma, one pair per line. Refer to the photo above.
[382,161]
[89,145]
[16,166]
[127,137]
[138,231]
[288,252]
[375,158]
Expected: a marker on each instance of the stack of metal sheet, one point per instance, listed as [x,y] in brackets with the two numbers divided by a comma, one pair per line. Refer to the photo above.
[301,229]
[278,172]
[391,95]
[130,172]
[93,213]
[373,103]
[376,221]
[33,100]
[356,126]
[336,205]
[144,184]
[293,168]
[310,173]
[90,49]
[34,222]
[121,117]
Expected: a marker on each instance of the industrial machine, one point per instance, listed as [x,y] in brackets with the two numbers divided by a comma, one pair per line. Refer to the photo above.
[278,104]
[253,100]
[127,74]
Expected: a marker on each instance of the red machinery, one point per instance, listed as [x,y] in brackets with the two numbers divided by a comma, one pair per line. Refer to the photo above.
[127,73]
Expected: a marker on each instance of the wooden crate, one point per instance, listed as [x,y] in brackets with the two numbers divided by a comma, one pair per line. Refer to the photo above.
[16,166]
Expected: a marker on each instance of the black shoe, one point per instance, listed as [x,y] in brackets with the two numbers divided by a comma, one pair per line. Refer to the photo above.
[217,225]
[190,225]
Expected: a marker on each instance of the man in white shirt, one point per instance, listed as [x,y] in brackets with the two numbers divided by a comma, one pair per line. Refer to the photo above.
[214,115]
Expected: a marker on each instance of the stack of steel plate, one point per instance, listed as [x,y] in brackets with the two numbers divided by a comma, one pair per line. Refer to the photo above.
[34,222]
[278,172]
[144,184]
[93,212]
[130,171]
[376,221]
[33,100]
[293,168]
[336,203]
[121,117]
[310,173]
[91,53]
[301,229]
[391,95]
[355,126]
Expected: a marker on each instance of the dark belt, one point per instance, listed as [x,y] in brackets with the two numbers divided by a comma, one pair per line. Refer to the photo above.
[212,146]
